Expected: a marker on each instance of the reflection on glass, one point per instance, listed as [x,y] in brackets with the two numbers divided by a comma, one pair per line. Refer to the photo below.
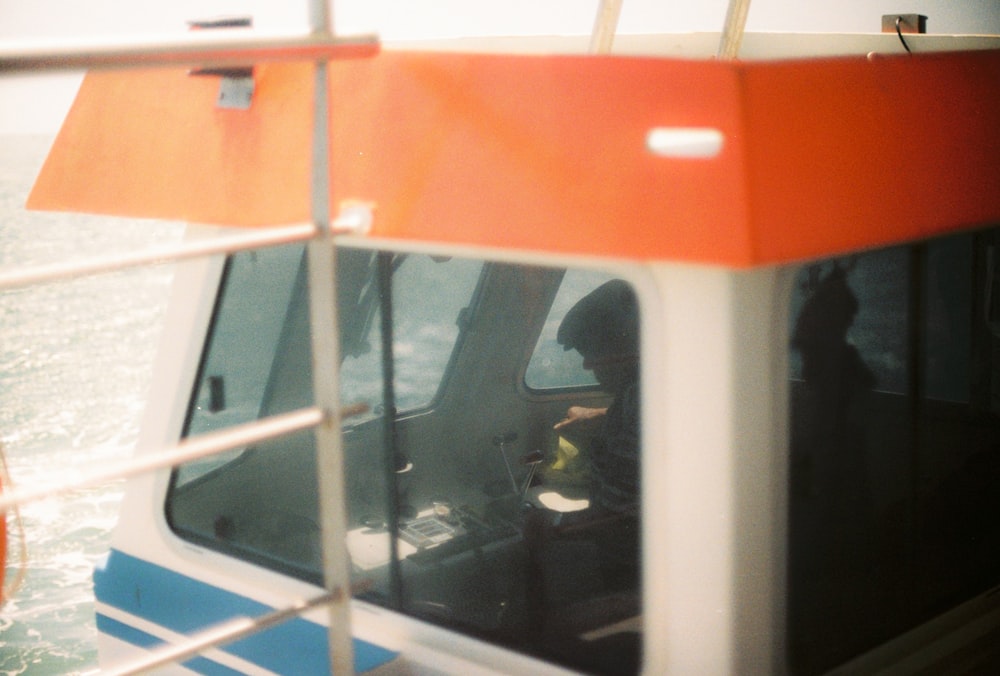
[508,529]
[895,475]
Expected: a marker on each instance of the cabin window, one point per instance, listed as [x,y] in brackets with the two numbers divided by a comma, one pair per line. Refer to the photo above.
[236,370]
[895,475]
[551,365]
[467,508]
[429,296]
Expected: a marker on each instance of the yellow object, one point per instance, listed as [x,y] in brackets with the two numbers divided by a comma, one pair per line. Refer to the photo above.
[570,466]
[566,453]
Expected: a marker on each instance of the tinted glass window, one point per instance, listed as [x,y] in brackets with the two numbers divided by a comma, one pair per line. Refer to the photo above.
[466,508]
[429,296]
[895,477]
[551,365]
[236,371]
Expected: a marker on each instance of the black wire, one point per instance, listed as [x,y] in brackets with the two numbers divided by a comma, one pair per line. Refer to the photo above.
[899,20]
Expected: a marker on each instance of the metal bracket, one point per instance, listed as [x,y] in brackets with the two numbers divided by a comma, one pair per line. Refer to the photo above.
[904,23]
[237,84]
[236,93]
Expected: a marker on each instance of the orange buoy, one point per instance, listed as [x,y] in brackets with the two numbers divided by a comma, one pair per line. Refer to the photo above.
[8,590]
[3,546]
[4,481]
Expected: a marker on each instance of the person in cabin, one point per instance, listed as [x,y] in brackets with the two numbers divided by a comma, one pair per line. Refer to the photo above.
[603,327]
[834,568]
[830,475]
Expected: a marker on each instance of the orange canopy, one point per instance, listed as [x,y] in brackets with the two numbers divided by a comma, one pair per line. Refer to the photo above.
[550,153]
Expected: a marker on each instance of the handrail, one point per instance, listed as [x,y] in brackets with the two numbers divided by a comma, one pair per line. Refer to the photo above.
[220,635]
[205,48]
[192,448]
[212,49]
[353,218]
[165,254]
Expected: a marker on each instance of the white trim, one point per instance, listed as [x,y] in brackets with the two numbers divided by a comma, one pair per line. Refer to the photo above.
[115,651]
[203,642]
[427,648]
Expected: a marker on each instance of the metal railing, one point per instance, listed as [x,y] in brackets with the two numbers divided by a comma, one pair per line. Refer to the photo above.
[43,274]
[213,49]
[222,634]
[197,48]
[192,448]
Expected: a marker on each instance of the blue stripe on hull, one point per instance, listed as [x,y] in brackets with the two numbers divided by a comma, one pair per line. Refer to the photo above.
[185,605]
[129,634]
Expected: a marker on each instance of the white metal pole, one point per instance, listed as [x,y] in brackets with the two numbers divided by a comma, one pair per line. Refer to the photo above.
[605,26]
[191,448]
[216,636]
[326,363]
[732,31]
[252,239]
[201,48]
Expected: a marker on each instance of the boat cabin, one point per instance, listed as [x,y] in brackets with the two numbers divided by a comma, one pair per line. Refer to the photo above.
[645,363]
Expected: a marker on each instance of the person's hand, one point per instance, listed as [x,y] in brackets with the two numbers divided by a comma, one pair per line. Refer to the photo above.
[581,417]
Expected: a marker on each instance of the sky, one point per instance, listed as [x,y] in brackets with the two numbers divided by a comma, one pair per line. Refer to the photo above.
[37,104]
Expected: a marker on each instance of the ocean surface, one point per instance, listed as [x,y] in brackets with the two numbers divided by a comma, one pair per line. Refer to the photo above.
[75,366]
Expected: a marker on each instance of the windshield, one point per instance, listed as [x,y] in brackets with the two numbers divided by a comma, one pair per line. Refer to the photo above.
[481,494]
[258,364]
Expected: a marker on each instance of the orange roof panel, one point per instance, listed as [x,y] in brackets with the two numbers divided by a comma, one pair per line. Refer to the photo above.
[549,153]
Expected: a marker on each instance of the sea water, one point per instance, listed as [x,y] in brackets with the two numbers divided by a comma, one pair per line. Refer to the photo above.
[75,365]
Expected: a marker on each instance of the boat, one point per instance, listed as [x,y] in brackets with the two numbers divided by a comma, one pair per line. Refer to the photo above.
[571,362]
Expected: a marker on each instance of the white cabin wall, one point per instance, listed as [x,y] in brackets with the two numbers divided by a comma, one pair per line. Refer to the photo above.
[715,519]
[760,438]
[188,313]
[686,473]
